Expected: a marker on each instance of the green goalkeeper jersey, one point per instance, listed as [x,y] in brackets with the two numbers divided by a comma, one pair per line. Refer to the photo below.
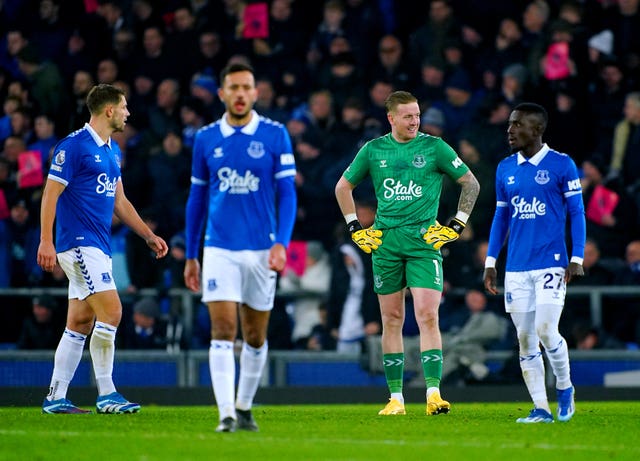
[407,177]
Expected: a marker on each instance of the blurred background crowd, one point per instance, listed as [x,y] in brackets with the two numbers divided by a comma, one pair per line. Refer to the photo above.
[324,69]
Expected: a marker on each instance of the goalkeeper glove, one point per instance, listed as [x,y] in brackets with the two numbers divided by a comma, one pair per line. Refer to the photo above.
[437,234]
[366,239]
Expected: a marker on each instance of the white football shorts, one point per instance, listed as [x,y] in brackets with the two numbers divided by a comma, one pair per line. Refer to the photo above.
[89,271]
[523,291]
[241,276]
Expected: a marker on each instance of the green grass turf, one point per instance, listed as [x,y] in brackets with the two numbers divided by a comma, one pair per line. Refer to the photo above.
[472,431]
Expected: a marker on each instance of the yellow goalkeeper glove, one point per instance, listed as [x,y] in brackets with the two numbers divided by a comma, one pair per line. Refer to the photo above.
[437,234]
[366,239]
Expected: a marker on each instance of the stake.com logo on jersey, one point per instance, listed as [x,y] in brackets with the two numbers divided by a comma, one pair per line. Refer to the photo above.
[397,191]
[232,182]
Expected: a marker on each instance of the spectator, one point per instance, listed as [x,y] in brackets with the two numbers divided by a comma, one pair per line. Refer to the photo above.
[16,40]
[606,101]
[432,122]
[535,19]
[507,49]
[45,139]
[392,65]
[50,33]
[586,337]
[466,347]
[107,71]
[431,86]
[205,88]
[164,114]
[19,239]
[610,212]
[170,173]
[596,273]
[625,157]
[267,102]
[343,80]
[329,28]
[285,42]
[154,64]
[79,114]
[514,84]
[192,117]
[43,328]
[623,317]
[144,269]
[379,91]
[459,107]
[429,39]
[308,292]
[570,116]
[621,20]
[211,56]
[11,104]
[352,308]
[317,214]
[183,41]
[145,330]
[46,86]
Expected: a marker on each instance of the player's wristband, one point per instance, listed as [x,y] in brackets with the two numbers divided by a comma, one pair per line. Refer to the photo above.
[353,226]
[457,225]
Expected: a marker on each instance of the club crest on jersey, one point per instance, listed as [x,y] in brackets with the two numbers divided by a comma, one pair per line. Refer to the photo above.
[419,161]
[255,149]
[509,297]
[542,177]
[212,284]
[106,277]
[377,281]
[60,157]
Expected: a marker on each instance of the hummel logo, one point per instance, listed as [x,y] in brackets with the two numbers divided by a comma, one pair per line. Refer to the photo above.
[217,152]
[511,180]
[383,163]
[98,160]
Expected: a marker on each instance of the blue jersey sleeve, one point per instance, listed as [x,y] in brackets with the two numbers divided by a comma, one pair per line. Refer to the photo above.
[500,223]
[575,207]
[287,206]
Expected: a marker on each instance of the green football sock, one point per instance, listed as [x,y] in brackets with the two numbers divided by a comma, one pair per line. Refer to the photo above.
[394,370]
[432,366]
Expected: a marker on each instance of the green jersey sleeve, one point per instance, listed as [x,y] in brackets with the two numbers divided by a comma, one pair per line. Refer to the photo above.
[448,161]
[359,167]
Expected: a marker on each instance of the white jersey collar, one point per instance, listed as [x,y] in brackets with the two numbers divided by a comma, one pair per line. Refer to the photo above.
[536,159]
[97,138]
[250,128]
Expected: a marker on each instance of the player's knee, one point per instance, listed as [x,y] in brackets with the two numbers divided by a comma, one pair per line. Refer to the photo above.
[548,334]
[528,344]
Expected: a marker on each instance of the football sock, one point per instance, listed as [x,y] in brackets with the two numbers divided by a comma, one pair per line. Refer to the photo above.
[432,367]
[559,362]
[532,367]
[222,365]
[252,363]
[102,349]
[66,361]
[394,371]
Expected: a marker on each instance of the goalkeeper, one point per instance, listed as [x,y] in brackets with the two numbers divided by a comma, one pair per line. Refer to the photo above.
[407,168]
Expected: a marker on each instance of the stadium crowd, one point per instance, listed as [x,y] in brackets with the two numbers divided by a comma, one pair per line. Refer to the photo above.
[324,69]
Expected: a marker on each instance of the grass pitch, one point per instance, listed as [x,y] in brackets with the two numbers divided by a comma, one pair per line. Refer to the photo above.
[472,431]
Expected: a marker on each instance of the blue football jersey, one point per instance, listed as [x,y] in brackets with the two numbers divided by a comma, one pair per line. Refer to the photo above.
[90,170]
[240,166]
[534,197]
